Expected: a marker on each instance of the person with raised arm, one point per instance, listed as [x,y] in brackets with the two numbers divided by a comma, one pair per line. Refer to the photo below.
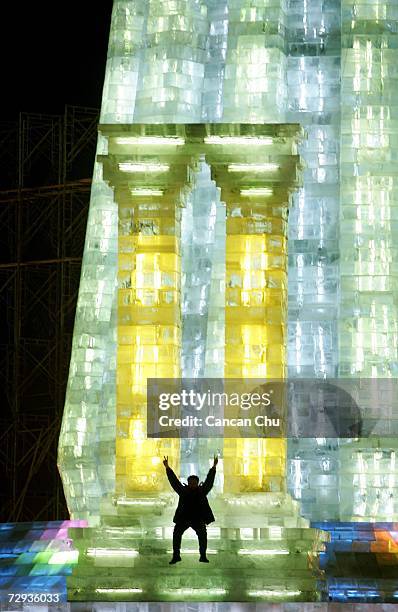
[193,509]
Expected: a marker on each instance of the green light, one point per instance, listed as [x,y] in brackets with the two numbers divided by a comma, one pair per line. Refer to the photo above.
[198,592]
[260,552]
[270,593]
[143,167]
[256,191]
[132,590]
[146,192]
[140,502]
[239,140]
[151,140]
[256,168]
[124,531]
[111,552]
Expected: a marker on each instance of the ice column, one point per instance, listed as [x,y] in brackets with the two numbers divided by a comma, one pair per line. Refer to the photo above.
[368,325]
[198,249]
[257,196]
[149,327]
[256,309]
[314,101]
[203,220]
[254,91]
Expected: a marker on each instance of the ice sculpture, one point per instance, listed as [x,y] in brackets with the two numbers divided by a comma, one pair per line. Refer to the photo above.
[255,167]
[145,308]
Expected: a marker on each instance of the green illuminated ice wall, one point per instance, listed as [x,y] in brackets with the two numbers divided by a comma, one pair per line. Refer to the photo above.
[330,66]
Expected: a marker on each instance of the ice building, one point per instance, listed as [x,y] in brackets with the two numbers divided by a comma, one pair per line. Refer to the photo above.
[192,267]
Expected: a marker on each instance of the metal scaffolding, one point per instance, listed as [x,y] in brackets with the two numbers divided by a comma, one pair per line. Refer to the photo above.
[45,161]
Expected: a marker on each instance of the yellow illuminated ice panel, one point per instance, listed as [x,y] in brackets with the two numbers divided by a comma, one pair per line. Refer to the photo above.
[256,308]
[149,345]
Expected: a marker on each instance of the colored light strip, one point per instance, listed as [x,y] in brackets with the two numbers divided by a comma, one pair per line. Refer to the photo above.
[261,552]
[146,192]
[270,593]
[140,502]
[101,590]
[151,140]
[239,140]
[194,592]
[257,168]
[143,167]
[111,552]
[256,191]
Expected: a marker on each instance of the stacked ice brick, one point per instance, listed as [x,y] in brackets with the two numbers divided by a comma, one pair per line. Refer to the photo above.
[368,325]
[183,69]
[169,57]
[152,40]
[253,91]
[86,451]
[129,19]
[149,316]
[254,88]
[126,559]
[198,243]
[203,272]
[172,70]
[314,101]
[86,455]
[170,89]
[212,101]
[368,316]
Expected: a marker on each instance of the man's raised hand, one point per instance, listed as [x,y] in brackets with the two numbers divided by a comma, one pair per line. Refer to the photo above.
[166,461]
[215,460]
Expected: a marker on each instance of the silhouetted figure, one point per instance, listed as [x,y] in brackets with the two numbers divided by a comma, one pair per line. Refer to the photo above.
[193,509]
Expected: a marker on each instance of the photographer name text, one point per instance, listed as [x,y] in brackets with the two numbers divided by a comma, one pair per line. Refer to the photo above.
[211,420]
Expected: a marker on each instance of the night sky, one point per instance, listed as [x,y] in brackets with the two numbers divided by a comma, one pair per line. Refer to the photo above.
[52,55]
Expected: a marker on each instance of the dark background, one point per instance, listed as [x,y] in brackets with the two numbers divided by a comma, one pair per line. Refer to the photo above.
[53,54]
[53,65]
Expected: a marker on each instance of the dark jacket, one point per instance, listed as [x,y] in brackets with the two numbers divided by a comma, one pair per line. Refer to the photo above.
[192,505]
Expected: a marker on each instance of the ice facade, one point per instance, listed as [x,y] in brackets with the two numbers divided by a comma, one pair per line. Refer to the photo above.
[368,212]
[330,66]
[314,86]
